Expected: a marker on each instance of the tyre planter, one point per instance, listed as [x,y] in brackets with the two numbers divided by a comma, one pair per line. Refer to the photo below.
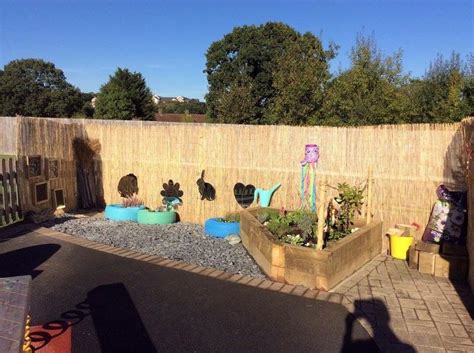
[219,229]
[149,217]
[117,212]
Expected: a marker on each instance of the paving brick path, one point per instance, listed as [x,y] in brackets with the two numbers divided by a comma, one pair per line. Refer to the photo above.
[406,311]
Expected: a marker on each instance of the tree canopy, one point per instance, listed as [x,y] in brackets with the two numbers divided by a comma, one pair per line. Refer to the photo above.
[367,92]
[445,93]
[34,87]
[125,96]
[271,74]
[246,72]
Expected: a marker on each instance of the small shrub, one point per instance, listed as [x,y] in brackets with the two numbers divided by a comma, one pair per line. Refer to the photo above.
[350,201]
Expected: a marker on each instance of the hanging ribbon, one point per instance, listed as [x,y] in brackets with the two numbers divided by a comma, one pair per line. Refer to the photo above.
[308,176]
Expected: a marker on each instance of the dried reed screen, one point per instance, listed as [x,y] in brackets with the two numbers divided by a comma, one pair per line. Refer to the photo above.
[408,161]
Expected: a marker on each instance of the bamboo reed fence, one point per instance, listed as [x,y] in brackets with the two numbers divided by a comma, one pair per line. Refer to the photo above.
[407,161]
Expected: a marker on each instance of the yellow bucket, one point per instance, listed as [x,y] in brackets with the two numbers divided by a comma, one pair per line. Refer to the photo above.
[399,246]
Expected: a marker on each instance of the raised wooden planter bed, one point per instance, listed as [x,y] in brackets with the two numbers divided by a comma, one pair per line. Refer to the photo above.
[297,265]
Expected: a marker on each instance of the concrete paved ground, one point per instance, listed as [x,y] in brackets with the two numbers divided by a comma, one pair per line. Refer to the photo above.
[427,313]
[116,304]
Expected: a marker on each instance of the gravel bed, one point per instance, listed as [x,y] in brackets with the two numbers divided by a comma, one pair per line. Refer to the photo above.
[179,241]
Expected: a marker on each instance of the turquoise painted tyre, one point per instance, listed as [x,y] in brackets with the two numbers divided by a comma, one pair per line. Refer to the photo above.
[117,212]
[218,229]
[149,217]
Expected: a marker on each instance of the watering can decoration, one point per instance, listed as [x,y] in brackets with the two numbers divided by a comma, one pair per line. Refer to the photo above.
[265,196]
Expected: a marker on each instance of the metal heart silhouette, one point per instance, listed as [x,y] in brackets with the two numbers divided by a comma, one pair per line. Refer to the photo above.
[244,194]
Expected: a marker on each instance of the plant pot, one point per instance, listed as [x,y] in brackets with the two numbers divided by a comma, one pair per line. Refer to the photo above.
[215,228]
[150,217]
[399,246]
[117,212]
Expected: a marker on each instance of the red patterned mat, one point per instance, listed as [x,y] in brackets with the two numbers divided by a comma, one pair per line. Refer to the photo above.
[51,338]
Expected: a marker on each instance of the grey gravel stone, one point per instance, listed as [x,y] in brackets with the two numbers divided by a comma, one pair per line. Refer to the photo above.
[179,241]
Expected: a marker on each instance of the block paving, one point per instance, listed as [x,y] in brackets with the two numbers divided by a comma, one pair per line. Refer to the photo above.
[14,306]
[407,311]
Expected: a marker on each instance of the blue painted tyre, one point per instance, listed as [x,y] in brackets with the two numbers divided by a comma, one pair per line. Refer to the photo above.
[218,229]
[149,217]
[117,212]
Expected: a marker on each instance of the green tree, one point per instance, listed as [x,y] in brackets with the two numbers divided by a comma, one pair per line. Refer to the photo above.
[33,87]
[468,91]
[238,104]
[369,91]
[125,96]
[87,110]
[300,79]
[244,64]
[444,94]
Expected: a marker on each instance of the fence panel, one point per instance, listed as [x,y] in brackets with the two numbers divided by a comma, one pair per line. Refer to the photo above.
[10,209]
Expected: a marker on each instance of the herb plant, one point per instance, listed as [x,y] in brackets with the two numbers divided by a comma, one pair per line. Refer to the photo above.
[297,227]
[350,200]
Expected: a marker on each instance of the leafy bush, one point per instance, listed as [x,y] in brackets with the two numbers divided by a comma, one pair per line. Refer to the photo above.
[350,201]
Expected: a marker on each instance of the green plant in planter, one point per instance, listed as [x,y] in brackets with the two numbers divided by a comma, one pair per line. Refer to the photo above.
[132,201]
[350,201]
[233,218]
[170,203]
[296,227]
[293,239]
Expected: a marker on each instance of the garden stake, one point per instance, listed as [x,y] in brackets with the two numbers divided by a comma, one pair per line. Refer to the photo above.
[369,196]
[319,234]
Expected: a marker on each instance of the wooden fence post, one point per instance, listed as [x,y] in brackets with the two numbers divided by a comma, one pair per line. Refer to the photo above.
[369,196]
[321,209]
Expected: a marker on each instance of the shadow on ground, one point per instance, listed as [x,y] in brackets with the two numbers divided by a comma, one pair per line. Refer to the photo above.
[379,324]
[24,261]
[116,320]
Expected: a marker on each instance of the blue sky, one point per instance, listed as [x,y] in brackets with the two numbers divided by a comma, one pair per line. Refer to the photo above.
[167,40]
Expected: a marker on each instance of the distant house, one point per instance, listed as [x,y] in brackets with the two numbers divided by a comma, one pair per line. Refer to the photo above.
[180,99]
